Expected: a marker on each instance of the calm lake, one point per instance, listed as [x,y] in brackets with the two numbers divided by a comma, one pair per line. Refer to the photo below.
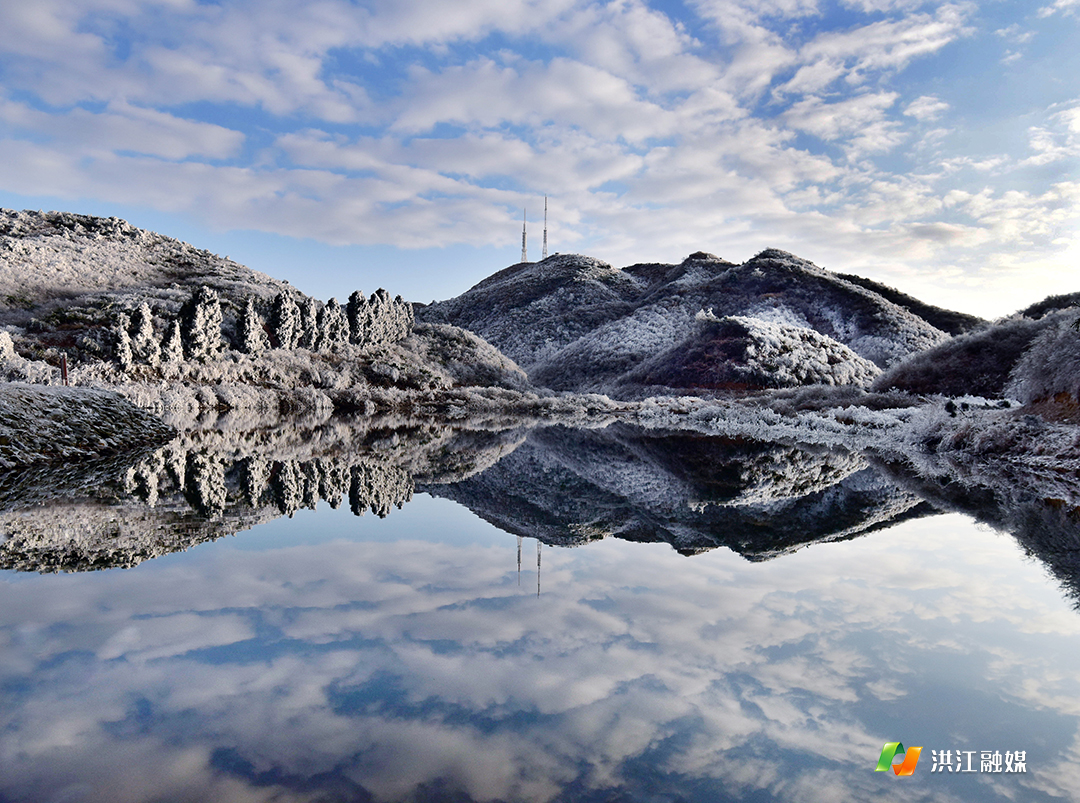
[431,656]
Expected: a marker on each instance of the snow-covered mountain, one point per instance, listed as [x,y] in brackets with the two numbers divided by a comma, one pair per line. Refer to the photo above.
[576,323]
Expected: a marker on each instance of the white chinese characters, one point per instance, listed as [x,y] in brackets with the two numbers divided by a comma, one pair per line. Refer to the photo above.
[988,761]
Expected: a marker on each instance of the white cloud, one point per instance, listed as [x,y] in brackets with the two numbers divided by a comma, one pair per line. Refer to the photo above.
[888,45]
[926,107]
[1063,6]
[859,122]
[1058,140]
[563,92]
[123,127]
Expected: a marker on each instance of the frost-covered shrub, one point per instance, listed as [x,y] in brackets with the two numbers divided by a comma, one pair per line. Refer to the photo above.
[977,363]
[200,325]
[7,348]
[1052,364]
[144,345]
[741,353]
[122,342]
[285,321]
[793,355]
[252,337]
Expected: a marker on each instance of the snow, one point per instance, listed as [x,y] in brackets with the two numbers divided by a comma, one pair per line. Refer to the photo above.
[56,424]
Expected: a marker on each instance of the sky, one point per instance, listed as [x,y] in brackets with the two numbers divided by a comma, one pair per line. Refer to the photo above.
[348,145]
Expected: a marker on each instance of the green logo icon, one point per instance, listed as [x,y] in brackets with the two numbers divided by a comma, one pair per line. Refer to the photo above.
[889,753]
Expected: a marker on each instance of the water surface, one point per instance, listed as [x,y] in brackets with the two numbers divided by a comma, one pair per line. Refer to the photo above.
[325,657]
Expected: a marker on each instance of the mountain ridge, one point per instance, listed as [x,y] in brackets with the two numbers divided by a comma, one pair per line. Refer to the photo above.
[575,323]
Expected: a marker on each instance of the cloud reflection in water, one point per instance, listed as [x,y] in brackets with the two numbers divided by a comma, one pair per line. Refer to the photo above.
[341,664]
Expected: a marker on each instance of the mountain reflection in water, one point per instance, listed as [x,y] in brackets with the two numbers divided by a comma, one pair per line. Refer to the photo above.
[323,657]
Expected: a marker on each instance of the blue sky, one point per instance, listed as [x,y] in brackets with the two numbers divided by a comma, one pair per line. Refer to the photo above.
[340,145]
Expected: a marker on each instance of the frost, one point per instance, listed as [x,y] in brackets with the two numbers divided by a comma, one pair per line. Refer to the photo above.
[285,322]
[252,336]
[200,325]
[1051,366]
[144,344]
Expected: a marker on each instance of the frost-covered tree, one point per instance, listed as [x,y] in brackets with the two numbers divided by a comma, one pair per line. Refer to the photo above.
[172,350]
[333,327]
[333,481]
[285,321]
[122,342]
[252,337]
[309,324]
[378,488]
[7,348]
[254,478]
[204,484]
[357,313]
[381,315]
[144,345]
[404,318]
[200,324]
[309,484]
[285,482]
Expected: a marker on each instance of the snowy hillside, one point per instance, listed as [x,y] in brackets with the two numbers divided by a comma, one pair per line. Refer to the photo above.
[1033,356]
[47,258]
[575,323]
[180,331]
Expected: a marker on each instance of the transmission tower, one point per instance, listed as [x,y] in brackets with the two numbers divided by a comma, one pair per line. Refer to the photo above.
[524,251]
[544,256]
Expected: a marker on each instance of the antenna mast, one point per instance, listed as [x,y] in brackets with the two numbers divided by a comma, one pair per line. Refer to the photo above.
[524,253]
[545,229]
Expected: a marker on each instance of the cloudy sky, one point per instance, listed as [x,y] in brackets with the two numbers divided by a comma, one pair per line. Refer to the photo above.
[932,145]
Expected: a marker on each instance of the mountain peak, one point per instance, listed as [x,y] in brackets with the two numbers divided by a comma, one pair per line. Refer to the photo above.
[576,323]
